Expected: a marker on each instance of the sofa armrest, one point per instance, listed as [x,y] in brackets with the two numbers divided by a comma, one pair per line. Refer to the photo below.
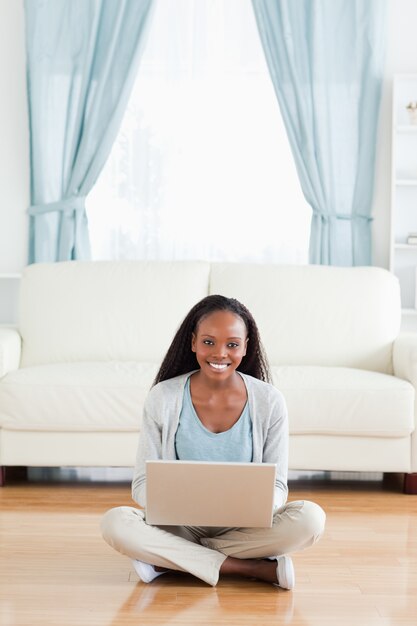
[10,350]
[405,357]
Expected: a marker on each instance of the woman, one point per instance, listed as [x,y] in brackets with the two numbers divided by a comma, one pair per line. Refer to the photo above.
[212,401]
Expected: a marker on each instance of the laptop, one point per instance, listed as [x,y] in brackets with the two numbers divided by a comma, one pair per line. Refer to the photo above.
[204,493]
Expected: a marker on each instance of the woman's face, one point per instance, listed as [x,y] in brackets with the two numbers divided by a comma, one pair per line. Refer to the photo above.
[219,344]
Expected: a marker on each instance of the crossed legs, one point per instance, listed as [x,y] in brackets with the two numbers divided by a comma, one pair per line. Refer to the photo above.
[208,552]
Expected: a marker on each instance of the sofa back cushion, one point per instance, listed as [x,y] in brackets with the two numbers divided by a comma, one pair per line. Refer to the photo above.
[104,310]
[317,315]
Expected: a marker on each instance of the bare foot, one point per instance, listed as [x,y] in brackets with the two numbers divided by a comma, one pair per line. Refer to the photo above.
[250,568]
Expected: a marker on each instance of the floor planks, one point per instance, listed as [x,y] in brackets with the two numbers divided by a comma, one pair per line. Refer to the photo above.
[56,569]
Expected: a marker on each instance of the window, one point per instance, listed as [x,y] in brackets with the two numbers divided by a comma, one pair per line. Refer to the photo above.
[201,168]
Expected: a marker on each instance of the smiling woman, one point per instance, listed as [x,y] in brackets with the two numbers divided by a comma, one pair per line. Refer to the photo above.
[202,142]
[210,402]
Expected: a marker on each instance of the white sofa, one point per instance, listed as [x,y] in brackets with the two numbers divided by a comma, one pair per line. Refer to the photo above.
[76,370]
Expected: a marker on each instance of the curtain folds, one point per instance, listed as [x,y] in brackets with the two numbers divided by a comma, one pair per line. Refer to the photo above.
[325,59]
[82,59]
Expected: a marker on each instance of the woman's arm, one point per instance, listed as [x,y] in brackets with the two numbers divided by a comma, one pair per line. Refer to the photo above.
[276,447]
[149,448]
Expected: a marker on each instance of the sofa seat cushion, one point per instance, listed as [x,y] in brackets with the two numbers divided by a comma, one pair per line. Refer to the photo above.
[87,396]
[109,396]
[345,401]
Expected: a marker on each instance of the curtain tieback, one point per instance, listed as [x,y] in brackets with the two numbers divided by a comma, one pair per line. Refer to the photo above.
[326,217]
[73,203]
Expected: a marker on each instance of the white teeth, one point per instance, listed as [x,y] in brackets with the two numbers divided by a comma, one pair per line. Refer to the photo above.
[219,366]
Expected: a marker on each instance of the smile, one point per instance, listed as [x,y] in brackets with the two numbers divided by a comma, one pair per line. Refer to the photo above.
[219,366]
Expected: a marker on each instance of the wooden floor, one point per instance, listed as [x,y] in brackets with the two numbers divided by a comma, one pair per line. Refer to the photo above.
[56,570]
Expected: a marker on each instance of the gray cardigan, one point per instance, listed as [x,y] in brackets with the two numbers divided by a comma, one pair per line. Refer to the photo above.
[160,422]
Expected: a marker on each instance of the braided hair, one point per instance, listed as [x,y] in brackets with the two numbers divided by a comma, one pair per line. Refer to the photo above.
[180,359]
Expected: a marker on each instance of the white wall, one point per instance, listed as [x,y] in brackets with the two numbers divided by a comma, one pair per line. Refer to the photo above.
[14,139]
[401,56]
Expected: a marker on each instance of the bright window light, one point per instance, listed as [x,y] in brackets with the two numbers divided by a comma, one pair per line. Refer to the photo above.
[201,167]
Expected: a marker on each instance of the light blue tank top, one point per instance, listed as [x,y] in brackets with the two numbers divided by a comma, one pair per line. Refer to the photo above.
[194,442]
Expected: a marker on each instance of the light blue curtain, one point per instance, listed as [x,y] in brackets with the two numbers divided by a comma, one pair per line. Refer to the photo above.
[82,58]
[325,58]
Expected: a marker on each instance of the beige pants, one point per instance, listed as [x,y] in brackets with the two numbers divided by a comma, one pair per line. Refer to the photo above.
[201,550]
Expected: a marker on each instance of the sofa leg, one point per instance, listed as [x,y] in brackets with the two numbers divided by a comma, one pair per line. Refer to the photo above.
[13,474]
[393,481]
[410,484]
